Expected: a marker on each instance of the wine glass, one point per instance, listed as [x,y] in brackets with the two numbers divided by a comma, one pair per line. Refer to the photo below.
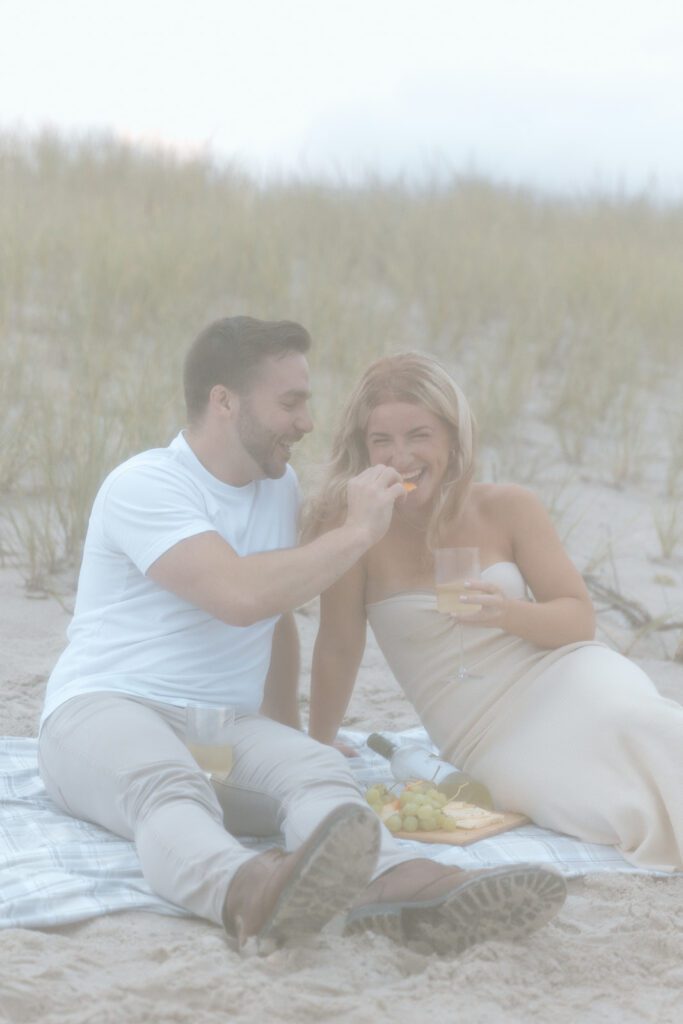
[452,567]
[208,735]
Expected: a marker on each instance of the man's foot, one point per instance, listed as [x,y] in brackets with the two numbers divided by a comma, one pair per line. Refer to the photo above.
[278,895]
[449,909]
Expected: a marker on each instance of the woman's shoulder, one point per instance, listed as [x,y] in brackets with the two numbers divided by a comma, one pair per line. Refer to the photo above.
[503,502]
[497,516]
[506,507]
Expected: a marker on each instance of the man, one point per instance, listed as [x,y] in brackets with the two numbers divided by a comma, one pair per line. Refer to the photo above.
[189,580]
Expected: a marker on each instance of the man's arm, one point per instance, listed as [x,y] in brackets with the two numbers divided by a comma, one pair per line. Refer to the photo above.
[205,571]
[280,697]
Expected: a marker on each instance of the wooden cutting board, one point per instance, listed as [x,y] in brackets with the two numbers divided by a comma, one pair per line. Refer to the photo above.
[465,836]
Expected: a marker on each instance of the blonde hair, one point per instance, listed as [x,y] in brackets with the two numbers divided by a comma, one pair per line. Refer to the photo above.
[406,377]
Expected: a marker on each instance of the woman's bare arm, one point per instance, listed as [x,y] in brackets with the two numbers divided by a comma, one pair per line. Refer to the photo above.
[562,612]
[281,691]
[337,653]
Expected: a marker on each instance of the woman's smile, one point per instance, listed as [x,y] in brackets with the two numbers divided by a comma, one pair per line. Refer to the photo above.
[413,441]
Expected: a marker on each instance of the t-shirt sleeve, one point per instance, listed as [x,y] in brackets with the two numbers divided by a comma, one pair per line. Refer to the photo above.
[147,509]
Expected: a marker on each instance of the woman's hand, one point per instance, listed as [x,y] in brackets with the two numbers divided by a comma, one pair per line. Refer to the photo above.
[490,601]
[345,748]
[556,608]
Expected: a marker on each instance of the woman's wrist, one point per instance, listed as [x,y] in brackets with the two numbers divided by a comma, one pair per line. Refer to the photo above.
[510,615]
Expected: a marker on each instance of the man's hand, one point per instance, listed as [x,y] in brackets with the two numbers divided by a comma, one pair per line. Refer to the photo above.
[370,500]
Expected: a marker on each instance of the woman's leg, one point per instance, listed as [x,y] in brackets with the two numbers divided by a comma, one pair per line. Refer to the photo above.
[593,750]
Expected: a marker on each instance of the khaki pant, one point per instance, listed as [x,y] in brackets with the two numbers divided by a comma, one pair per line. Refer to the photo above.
[121,762]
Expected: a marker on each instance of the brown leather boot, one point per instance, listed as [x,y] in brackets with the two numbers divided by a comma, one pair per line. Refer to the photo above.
[277,895]
[449,909]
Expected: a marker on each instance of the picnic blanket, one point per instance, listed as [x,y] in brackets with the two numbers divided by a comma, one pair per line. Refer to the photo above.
[55,869]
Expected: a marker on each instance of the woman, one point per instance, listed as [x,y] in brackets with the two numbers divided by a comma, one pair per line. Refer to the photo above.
[557,725]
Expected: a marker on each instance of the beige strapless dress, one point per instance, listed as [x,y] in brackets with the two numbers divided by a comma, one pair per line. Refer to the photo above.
[578,738]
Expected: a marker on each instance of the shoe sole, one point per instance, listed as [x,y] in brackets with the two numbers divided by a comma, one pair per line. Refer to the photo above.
[502,905]
[336,869]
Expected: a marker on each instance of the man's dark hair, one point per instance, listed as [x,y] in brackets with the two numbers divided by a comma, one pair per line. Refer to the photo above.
[229,351]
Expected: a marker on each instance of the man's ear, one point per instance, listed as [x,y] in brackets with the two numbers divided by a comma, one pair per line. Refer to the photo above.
[222,399]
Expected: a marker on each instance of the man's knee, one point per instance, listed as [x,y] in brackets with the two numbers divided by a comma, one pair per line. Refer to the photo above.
[146,789]
[324,763]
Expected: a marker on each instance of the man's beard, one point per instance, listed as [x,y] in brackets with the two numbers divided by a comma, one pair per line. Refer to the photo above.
[261,444]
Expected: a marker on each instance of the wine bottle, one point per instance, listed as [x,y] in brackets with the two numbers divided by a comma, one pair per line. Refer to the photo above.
[410,762]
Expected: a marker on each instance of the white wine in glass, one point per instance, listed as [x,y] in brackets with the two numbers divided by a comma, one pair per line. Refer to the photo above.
[448,599]
[216,759]
[208,735]
[452,568]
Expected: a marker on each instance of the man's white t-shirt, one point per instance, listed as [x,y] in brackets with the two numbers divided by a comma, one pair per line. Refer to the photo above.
[128,634]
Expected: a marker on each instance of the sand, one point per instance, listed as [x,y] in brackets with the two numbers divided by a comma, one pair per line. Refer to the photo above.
[615,953]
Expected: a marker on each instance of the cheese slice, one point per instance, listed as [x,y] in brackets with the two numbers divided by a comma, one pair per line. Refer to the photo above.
[470,816]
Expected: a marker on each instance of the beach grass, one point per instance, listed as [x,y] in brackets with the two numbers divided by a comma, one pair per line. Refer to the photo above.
[561,317]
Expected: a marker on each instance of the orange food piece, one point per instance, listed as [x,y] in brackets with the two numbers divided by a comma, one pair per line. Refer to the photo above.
[408,486]
[389,808]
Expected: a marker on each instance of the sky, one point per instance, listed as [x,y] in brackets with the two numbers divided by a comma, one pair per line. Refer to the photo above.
[565,96]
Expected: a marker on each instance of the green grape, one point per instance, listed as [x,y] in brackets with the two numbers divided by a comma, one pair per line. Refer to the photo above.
[420,807]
